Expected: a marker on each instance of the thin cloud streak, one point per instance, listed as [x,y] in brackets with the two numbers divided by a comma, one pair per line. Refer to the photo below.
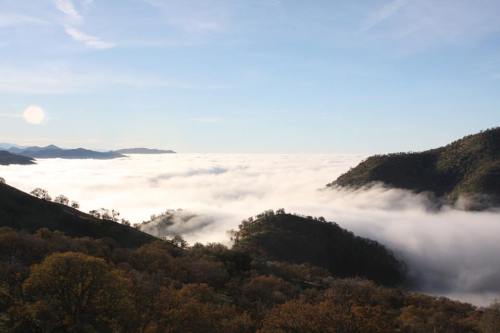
[88,40]
[383,14]
[419,25]
[75,19]
[194,17]
[68,9]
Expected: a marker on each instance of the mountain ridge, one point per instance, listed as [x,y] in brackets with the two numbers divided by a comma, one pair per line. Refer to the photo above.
[52,151]
[21,211]
[143,151]
[284,237]
[465,172]
[8,158]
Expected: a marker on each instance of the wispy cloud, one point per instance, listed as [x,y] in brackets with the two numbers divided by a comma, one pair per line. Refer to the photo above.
[88,40]
[67,7]
[423,23]
[194,17]
[383,13]
[74,20]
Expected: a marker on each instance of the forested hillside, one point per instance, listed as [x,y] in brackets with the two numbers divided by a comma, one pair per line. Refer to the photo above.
[50,282]
[467,169]
[22,211]
[295,239]
[106,277]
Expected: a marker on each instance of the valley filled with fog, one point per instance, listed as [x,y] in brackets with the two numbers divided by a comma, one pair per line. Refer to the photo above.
[450,252]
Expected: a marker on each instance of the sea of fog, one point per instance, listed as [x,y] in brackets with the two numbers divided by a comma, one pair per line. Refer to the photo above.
[452,253]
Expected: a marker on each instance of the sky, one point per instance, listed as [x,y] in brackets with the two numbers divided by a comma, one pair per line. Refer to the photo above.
[287,76]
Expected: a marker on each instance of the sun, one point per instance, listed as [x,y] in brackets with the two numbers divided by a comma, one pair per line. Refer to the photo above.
[34,114]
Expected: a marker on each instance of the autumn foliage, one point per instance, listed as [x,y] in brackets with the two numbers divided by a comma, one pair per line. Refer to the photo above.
[50,282]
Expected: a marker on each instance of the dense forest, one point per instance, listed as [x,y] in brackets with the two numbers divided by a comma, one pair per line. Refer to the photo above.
[465,172]
[317,278]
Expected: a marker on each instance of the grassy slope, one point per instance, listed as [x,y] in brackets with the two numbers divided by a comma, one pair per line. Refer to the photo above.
[469,166]
[22,211]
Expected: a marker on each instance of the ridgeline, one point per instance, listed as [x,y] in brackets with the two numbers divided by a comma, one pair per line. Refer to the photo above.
[22,211]
[465,172]
[7,158]
[296,239]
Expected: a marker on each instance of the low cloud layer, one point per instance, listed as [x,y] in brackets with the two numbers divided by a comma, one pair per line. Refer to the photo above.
[451,252]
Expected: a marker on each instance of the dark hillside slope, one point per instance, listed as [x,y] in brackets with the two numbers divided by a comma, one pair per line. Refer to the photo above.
[7,158]
[296,239]
[468,168]
[22,211]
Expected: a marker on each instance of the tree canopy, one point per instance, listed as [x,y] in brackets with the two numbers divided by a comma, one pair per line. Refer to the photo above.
[296,239]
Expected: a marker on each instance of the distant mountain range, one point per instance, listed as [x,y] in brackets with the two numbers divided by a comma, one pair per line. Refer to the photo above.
[52,151]
[7,146]
[56,152]
[7,158]
[144,151]
[465,173]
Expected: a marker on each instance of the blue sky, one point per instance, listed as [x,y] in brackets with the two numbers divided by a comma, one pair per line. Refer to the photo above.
[249,75]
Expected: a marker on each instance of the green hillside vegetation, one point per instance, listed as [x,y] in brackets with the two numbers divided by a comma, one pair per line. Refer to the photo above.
[7,158]
[22,211]
[296,239]
[468,168]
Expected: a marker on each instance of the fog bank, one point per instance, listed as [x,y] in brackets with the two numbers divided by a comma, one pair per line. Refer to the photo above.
[450,252]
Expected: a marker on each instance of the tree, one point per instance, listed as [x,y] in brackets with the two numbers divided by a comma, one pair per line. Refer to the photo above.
[40,193]
[2,180]
[62,199]
[125,222]
[179,241]
[115,215]
[75,205]
[111,215]
[105,214]
[298,316]
[74,292]
[267,290]
[95,213]
[197,308]
[490,321]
